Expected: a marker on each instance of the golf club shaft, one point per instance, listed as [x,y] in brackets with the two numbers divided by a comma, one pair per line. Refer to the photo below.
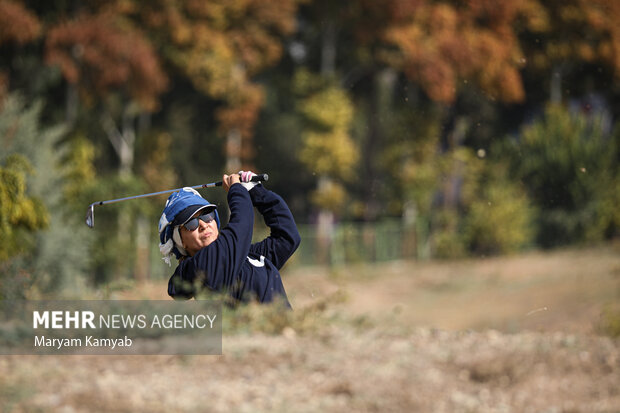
[90,213]
[257,178]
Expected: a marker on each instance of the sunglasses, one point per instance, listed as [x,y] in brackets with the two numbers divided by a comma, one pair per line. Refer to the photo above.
[193,223]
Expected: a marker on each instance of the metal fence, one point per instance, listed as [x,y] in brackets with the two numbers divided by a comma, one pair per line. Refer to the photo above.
[362,243]
[347,243]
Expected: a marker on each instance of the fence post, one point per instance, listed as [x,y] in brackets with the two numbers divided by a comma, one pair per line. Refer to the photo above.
[423,239]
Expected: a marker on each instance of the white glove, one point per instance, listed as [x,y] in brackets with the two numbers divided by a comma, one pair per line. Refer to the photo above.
[246,179]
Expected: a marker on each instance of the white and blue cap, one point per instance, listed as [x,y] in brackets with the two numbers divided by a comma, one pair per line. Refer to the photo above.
[180,207]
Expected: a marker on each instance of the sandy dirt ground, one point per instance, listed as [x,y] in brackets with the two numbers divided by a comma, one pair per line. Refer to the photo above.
[510,334]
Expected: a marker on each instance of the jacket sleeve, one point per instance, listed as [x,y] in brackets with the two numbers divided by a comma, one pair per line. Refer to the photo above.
[284,238]
[218,265]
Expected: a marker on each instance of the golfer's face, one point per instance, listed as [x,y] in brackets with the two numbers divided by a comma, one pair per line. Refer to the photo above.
[199,238]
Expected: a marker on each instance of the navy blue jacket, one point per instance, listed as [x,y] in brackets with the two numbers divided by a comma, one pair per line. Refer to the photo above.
[232,264]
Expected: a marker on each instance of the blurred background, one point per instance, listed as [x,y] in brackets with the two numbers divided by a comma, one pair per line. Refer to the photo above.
[395,130]
[453,166]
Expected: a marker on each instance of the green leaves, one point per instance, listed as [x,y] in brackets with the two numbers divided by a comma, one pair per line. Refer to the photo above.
[20,214]
[327,147]
[569,166]
[499,219]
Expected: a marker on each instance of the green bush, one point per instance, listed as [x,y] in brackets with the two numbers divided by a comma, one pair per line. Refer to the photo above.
[493,214]
[609,323]
[499,220]
[20,214]
[447,239]
[569,166]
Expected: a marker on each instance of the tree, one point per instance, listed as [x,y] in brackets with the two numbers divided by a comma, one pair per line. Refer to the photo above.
[566,35]
[498,216]
[21,215]
[17,23]
[47,245]
[111,66]
[219,46]
[569,165]
[18,26]
[327,148]
[440,45]
[107,61]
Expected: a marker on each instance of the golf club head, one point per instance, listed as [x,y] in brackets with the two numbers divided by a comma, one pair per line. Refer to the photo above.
[90,216]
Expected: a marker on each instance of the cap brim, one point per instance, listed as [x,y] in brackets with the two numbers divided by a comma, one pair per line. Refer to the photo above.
[190,211]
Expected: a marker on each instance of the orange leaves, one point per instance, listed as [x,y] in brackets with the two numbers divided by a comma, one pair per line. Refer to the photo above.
[254,29]
[219,45]
[603,16]
[573,31]
[437,76]
[443,19]
[439,45]
[241,110]
[250,29]
[17,24]
[402,10]
[97,51]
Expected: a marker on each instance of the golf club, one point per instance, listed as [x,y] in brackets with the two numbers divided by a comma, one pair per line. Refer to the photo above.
[90,212]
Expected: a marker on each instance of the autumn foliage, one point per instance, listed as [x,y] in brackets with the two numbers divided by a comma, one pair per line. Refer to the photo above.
[365,109]
[99,54]
[219,45]
[17,23]
[443,44]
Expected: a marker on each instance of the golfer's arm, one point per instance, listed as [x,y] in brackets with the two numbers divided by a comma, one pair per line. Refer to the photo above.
[284,238]
[220,262]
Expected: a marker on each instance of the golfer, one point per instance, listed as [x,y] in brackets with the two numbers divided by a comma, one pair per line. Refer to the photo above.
[224,260]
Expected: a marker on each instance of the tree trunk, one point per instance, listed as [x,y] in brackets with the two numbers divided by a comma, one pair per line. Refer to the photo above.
[72,104]
[328,49]
[142,267]
[325,227]
[233,151]
[123,142]
[325,224]
[556,84]
[380,104]
[452,188]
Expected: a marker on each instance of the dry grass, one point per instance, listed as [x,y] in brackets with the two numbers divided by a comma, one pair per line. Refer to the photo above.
[466,336]
[561,291]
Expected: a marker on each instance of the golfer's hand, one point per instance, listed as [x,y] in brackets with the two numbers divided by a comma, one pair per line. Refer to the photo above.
[246,179]
[229,180]
[246,176]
